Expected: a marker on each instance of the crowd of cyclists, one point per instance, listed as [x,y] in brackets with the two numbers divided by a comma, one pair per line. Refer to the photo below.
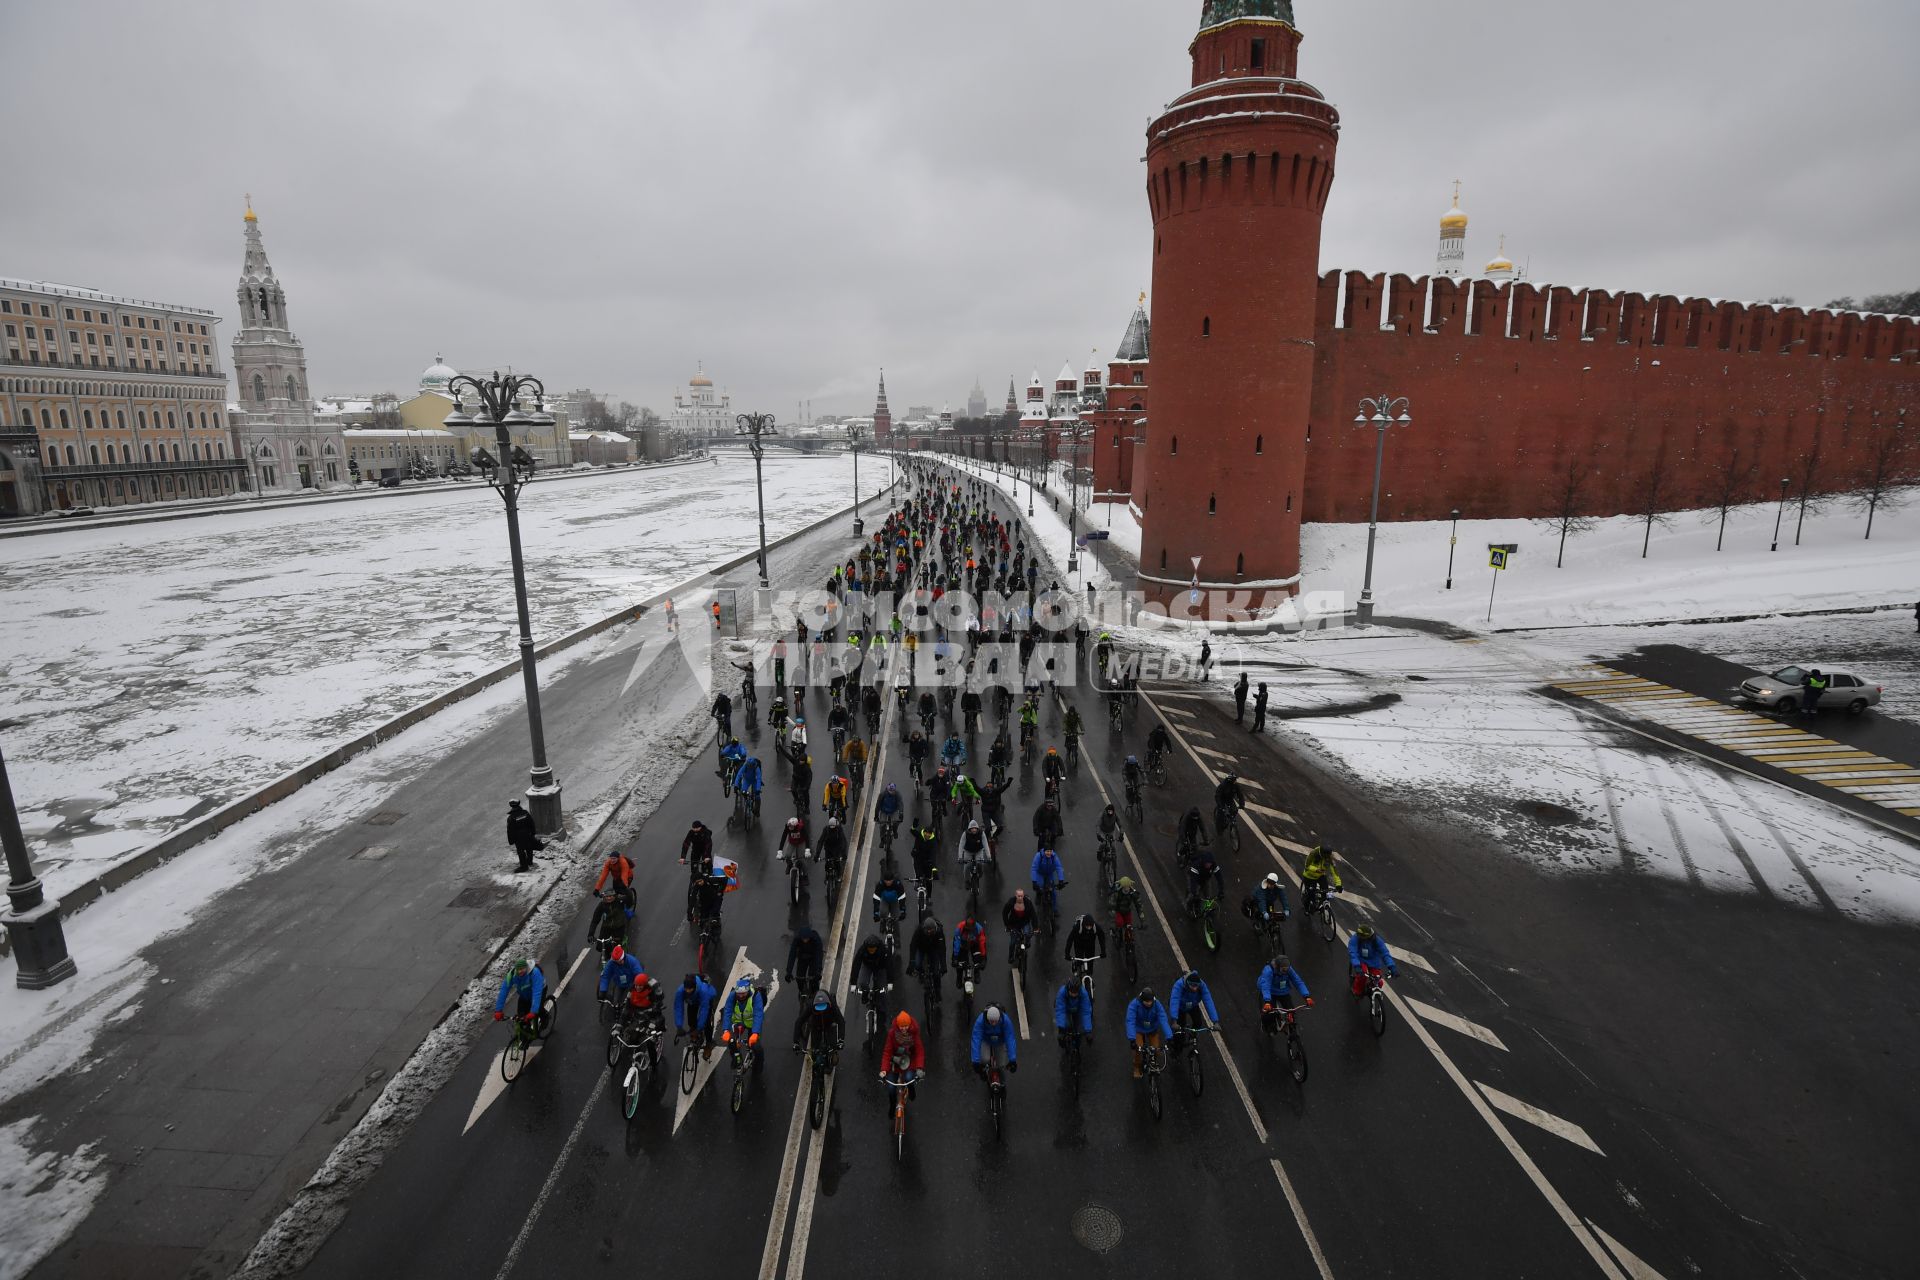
[943,608]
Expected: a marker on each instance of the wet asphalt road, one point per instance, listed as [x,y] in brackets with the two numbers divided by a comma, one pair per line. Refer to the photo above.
[1737,1063]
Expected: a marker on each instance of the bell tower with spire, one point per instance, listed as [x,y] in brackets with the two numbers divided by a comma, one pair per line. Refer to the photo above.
[1238,173]
[1453,239]
[284,448]
[882,416]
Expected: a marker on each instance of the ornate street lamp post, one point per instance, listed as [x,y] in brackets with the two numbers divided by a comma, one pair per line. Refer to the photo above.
[756,427]
[1453,540]
[853,443]
[1382,411]
[499,407]
[1786,483]
[32,920]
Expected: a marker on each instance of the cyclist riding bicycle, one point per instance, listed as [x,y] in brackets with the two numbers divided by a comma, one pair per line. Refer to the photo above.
[704,897]
[1053,768]
[1124,902]
[792,842]
[1086,941]
[731,757]
[1279,982]
[833,842]
[918,751]
[1019,915]
[869,970]
[1049,876]
[1147,1026]
[927,953]
[1159,743]
[802,775]
[1228,794]
[698,846]
[820,1022]
[693,1003]
[970,940]
[1204,880]
[1193,833]
[797,737]
[855,757]
[995,1040]
[1367,955]
[525,981]
[1047,828]
[904,1040]
[974,845]
[1318,877]
[1000,754]
[1070,726]
[805,955]
[887,895]
[1109,830]
[834,795]
[777,713]
[953,752]
[616,904]
[744,1012]
[621,970]
[1190,1000]
[888,808]
[1268,903]
[748,781]
[926,854]
[1072,1011]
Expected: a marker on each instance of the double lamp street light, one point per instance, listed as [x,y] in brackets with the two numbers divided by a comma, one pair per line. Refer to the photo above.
[1382,411]
[500,407]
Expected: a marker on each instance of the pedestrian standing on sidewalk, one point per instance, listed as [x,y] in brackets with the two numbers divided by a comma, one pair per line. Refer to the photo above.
[1260,708]
[521,835]
[673,621]
[1240,699]
[716,615]
[1206,657]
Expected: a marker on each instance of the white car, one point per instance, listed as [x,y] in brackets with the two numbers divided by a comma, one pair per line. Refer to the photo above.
[1785,690]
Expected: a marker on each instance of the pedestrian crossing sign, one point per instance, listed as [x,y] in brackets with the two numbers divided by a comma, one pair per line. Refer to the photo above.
[1497,553]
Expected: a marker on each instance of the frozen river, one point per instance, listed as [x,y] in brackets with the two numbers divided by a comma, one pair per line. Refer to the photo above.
[158,670]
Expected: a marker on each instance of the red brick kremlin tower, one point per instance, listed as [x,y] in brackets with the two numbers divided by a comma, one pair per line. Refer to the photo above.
[1238,173]
[882,416]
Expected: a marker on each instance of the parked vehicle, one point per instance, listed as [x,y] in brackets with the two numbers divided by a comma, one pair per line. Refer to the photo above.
[1785,690]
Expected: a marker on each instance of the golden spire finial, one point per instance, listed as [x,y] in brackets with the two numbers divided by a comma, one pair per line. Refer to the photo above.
[250,217]
[1456,193]
[1143,297]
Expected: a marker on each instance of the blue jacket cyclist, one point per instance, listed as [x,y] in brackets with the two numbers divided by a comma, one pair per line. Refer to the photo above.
[1072,1011]
[1147,1025]
[1280,982]
[993,1035]
[622,970]
[1367,953]
[744,1011]
[693,1007]
[1190,998]
[525,981]
[748,779]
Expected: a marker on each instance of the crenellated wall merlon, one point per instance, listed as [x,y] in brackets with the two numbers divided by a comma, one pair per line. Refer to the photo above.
[1522,311]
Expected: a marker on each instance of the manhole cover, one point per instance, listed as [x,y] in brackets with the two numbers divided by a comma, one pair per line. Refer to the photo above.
[1097,1227]
[385,818]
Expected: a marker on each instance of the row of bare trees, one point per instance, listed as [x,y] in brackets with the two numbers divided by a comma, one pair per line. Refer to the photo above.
[1879,481]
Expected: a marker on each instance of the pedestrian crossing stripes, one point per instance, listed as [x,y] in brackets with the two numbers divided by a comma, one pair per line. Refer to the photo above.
[1761,739]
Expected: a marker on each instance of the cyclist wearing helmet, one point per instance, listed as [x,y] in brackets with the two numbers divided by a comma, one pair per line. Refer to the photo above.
[927,952]
[1147,1025]
[1124,902]
[1279,983]
[745,1010]
[1132,774]
[793,840]
[1072,1011]
[693,1010]
[973,844]
[1053,768]
[1109,826]
[1318,877]
[820,1021]
[1047,828]
[525,981]
[833,841]
[888,808]
[1269,901]
[1228,793]
[904,1039]
[993,1033]
[1191,1000]
[1367,954]
[748,779]
[732,756]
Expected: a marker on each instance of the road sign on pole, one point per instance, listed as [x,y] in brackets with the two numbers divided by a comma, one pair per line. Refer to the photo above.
[1498,553]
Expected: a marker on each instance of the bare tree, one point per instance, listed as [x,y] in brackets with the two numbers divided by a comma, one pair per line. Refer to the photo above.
[1731,479]
[1654,492]
[1569,491]
[1891,465]
[1810,477]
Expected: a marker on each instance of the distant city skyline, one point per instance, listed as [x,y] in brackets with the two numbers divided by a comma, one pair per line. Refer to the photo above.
[941,245]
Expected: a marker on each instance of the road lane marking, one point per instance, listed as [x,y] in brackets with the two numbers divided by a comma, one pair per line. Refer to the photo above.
[1413,958]
[1300,1216]
[495,1084]
[1636,1269]
[1268,811]
[1534,1116]
[710,1061]
[1020,1007]
[553,1177]
[1218,754]
[1454,1022]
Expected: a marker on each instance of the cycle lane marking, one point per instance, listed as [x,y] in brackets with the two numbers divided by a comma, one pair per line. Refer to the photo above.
[495,1085]
[1539,1119]
[1454,1022]
[836,971]
[1636,1269]
[1573,1222]
[710,1063]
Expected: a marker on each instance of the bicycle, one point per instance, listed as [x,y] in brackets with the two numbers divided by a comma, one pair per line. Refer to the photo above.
[1073,752]
[833,872]
[873,1008]
[1049,896]
[1225,822]
[636,1039]
[1375,982]
[900,1080]
[751,702]
[1108,858]
[1026,744]
[524,1032]
[890,930]
[972,718]
[965,970]
[690,1058]
[1135,809]
[1129,953]
[1268,927]
[1153,1060]
[922,896]
[1279,1020]
[839,742]
[1017,946]
[1207,912]
[1187,1046]
[889,828]
[929,993]
[873,726]
[1083,974]
[1116,712]
[820,1064]
[612,928]
[709,941]
[797,876]
[998,773]
[1319,909]
[802,800]
[996,1098]
[1070,1058]
[1157,767]
[743,1056]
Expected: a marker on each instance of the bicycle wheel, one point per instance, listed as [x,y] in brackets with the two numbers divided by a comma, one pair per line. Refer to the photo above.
[1296,1057]
[1196,1077]
[900,1128]
[1233,835]
[1377,1011]
[1130,956]
[739,1089]
[616,1048]
[1154,1103]
[513,1059]
[689,1068]
[817,1099]
[1327,932]
[796,883]
[1073,1065]
[631,1088]
[1208,934]
[996,1107]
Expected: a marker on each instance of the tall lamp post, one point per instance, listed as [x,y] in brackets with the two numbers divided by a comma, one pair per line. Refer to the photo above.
[32,920]
[1382,411]
[756,427]
[500,399]
[853,443]
[1786,483]
[1453,540]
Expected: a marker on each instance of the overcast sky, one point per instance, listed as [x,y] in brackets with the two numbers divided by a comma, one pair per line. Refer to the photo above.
[797,192]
